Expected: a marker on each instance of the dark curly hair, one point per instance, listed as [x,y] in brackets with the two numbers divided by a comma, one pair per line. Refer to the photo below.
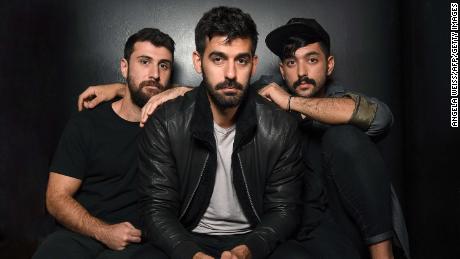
[225,21]
[152,35]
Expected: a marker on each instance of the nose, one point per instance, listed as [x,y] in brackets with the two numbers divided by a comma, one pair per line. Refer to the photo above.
[154,73]
[230,71]
[301,70]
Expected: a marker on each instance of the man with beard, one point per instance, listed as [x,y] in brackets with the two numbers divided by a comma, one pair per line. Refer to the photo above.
[355,220]
[221,167]
[92,189]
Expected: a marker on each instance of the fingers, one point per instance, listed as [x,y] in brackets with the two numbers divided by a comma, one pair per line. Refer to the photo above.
[119,248]
[264,92]
[226,255]
[148,110]
[93,102]
[134,239]
[126,223]
[86,95]
[135,232]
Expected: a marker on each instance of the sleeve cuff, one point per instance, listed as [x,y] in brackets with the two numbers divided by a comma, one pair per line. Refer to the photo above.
[364,112]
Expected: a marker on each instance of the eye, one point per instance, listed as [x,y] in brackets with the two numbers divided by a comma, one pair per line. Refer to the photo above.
[243,61]
[312,60]
[144,61]
[164,65]
[290,62]
[217,60]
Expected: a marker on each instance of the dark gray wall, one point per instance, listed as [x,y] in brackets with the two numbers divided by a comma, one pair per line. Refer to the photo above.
[50,51]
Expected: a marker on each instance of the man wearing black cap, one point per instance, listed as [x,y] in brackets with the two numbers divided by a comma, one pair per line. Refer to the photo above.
[357,212]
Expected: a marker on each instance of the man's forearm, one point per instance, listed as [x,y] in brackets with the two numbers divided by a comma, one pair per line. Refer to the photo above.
[325,110]
[75,217]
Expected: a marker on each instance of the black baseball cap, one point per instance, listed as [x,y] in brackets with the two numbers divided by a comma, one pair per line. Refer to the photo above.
[305,28]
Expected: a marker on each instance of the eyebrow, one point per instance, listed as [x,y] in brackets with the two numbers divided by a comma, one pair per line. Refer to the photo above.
[244,55]
[311,53]
[143,56]
[218,53]
[165,61]
[150,58]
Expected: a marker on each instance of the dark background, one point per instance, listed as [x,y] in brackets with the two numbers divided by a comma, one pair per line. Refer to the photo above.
[399,52]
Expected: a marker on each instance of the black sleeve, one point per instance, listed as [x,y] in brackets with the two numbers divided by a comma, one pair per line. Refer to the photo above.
[158,185]
[70,158]
[282,199]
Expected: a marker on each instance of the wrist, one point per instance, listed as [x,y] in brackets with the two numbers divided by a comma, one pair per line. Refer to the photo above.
[289,107]
[100,231]
[121,90]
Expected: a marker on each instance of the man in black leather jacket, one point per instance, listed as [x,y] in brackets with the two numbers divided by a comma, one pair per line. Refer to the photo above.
[221,170]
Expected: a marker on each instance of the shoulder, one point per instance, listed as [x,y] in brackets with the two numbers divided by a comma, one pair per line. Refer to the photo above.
[335,89]
[86,119]
[268,112]
[180,107]
[273,122]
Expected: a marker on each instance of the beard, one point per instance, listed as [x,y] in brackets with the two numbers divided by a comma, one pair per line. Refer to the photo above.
[140,97]
[222,100]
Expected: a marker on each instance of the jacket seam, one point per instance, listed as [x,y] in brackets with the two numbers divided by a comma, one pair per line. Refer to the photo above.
[196,187]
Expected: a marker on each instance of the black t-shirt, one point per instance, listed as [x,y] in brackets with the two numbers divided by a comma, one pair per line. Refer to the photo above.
[100,148]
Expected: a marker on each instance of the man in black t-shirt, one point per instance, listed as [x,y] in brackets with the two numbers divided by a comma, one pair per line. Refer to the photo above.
[92,181]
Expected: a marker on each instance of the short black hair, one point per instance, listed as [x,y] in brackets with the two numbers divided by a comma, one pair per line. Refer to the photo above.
[294,43]
[152,35]
[225,21]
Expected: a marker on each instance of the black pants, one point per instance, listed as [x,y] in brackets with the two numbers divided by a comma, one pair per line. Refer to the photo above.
[215,245]
[347,194]
[65,244]
[329,240]
[357,183]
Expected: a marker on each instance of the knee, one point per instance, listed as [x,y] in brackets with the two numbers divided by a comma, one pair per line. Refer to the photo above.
[345,140]
[290,249]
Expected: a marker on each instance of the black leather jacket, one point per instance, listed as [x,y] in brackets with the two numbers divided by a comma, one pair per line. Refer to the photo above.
[178,165]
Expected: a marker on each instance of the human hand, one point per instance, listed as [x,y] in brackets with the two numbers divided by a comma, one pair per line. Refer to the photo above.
[201,255]
[117,236]
[238,252]
[158,99]
[94,95]
[275,93]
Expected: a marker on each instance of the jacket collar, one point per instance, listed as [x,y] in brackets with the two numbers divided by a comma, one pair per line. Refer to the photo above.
[202,126]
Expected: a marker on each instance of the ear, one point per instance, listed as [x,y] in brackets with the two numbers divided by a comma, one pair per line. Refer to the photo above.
[196,58]
[330,65]
[255,62]
[124,67]
[281,70]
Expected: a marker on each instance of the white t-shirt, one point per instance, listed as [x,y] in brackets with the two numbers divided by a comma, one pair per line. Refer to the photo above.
[224,215]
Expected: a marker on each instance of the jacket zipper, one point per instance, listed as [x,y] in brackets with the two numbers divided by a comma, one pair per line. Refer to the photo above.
[247,189]
[196,187]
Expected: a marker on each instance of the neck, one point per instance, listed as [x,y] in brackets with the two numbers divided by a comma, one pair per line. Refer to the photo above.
[225,118]
[127,110]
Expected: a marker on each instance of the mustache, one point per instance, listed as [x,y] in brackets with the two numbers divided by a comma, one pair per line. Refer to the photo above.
[151,83]
[229,84]
[304,79]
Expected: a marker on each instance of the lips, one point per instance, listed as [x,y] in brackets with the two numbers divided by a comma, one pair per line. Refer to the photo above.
[230,90]
[304,85]
[151,85]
